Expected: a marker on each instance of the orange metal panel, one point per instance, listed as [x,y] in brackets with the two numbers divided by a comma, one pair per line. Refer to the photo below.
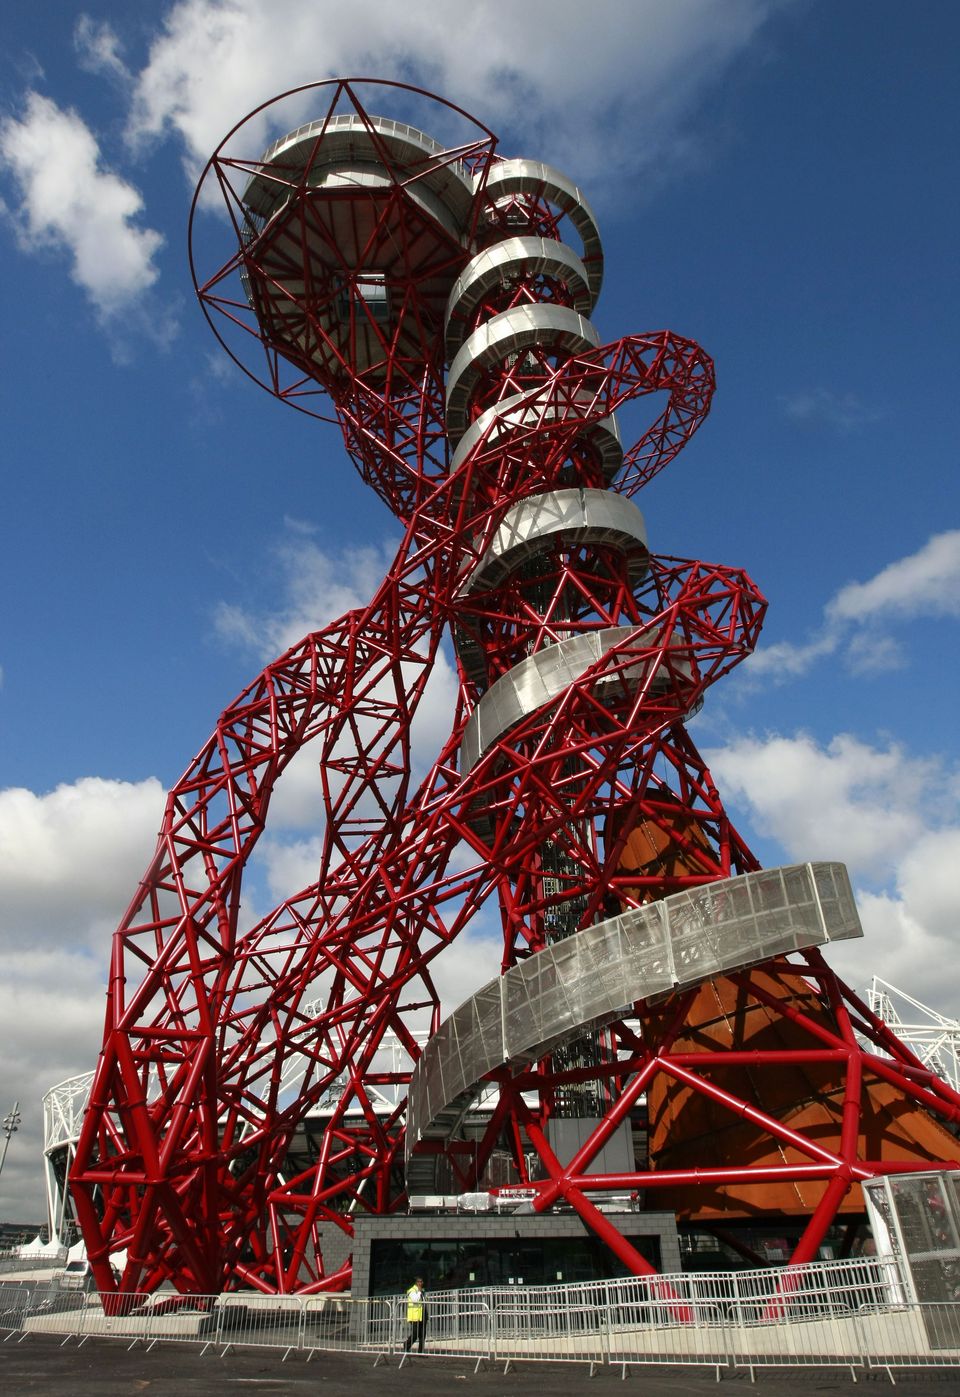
[690,1131]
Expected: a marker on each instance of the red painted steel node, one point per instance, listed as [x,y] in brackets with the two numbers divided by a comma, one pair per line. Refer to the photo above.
[251,1096]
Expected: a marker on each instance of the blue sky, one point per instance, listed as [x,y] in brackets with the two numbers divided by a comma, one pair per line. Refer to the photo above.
[775,178]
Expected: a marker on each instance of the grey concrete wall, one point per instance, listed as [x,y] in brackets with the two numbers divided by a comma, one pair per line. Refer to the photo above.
[411,1227]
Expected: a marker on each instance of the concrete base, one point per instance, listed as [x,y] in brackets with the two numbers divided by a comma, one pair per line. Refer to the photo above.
[89,1319]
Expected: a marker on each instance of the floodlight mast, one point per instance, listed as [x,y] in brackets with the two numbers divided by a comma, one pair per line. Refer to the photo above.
[10,1126]
[430,292]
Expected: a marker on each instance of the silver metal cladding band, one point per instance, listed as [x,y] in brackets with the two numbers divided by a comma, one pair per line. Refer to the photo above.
[512,416]
[508,333]
[574,517]
[533,177]
[596,976]
[544,676]
[499,264]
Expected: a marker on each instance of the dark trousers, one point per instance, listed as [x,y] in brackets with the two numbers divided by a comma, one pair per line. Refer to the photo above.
[415,1333]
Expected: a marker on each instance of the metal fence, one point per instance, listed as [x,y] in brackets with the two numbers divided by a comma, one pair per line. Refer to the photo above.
[844,1314]
[11,1262]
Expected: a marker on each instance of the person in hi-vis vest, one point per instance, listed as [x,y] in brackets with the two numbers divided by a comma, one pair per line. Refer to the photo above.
[416,1316]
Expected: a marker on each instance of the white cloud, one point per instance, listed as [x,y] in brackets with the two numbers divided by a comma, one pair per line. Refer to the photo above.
[69,201]
[927,881]
[925,583]
[785,660]
[893,819]
[288,856]
[871,653]
[599,86]
[593,97]
[70,861]
[849,801]
[317,586]
[51,1008]
[899,948]
[99,48]
[824,407]
[468,962]
[290,864]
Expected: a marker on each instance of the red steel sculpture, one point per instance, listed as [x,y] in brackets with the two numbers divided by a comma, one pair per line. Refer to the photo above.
[439,297]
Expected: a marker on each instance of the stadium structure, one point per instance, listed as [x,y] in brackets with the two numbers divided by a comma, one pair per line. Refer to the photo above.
[664,1038]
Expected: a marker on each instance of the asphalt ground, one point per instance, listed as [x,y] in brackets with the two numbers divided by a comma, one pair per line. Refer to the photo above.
[41,1365]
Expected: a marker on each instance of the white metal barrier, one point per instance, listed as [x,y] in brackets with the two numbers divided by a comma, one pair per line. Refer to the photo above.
[339,1323]
[260,1321]
[911,1336]
[840,1314]
[132,1318]
[13,1263]
[531,1323]
[458,1324]
[15,1300]
[664,1321]
[821,1341]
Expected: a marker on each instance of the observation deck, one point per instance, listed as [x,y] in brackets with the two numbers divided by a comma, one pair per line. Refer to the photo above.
[354,230]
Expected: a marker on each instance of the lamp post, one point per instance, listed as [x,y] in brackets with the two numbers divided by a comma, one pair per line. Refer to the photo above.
[11,1124]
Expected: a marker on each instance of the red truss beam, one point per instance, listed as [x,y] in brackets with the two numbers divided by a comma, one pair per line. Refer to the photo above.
[590,800]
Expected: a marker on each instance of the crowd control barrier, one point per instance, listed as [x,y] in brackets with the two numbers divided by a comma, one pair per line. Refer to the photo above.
[850,1315]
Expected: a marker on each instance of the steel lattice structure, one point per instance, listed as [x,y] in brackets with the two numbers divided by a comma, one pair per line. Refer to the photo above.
[429,294]
[933,1036]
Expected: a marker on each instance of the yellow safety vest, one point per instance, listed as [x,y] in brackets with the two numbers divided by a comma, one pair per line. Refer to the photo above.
[414,1305]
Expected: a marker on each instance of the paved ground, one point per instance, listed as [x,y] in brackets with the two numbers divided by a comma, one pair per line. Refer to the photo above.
[40,1366]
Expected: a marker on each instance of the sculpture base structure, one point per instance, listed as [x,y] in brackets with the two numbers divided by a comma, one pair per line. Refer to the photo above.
[770,1089]
[462,1249]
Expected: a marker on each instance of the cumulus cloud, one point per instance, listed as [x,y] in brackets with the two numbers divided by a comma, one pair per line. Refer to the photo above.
[469,962]
[287,857]
[788,660]
[856,621]
[315,585]
[815,800]
[290,863]
[68,201]
[588,96]
[547,68]
[892,818]
[70,861]
[51,1007]
[927,583]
